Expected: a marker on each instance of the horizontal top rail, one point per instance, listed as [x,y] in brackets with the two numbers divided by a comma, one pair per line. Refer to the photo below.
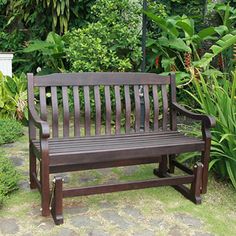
[100,78]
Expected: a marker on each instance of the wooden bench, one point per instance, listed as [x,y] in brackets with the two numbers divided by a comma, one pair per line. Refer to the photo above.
[115,143]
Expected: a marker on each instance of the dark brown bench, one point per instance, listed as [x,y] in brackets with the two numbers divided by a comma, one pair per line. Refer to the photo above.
[120,143]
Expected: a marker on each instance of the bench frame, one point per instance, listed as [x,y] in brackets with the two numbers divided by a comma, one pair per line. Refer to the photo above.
[167,163]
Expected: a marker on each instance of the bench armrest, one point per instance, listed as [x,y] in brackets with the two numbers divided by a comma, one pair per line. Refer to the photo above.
[208,121]
[39,123]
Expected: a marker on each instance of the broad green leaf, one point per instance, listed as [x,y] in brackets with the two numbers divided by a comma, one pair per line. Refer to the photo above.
[205,33]
[172,31]
[179,44]
[221,45]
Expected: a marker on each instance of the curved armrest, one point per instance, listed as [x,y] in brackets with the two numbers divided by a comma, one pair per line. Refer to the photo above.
[208,121]
[42,125]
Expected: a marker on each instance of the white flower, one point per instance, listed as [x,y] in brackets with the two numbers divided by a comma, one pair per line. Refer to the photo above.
[38,69]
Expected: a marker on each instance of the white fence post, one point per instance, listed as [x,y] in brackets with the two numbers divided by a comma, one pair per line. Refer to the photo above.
[6,63]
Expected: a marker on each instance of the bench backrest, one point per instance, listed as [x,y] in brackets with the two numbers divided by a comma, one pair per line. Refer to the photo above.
[120,110]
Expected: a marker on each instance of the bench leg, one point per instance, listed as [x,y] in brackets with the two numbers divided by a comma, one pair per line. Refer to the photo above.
[205,161]
[196,186]
[162,170]
[45,189]
[171,164]
[57,204]
[32,168]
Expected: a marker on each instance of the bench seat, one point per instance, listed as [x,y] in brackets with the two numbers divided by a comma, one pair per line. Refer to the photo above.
[93,149]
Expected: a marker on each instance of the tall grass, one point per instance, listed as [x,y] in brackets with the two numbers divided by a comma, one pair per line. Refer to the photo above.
[217,97]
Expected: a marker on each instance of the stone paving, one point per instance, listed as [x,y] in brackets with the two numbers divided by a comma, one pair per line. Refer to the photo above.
[126,213]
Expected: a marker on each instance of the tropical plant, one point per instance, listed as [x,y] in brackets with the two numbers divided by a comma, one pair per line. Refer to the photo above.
[51,52]
[220,46]
[217,97]
[178,44]
[178,47]
[13,93]
[227,15]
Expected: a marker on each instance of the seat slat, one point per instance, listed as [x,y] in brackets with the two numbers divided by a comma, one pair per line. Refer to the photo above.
[108,109]
[165,107]
[116,142]
[66,112]
[76,111]
[115,146]
[98,110]
[118,109]
[156,107]
[147,107]
[87,108]
[54,112]
[43,105]
[127,109]
[137,108]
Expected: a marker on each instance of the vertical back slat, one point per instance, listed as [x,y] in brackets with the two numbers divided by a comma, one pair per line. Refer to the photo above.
[66,114]
[127,109]
[43,105]
[147,107]
[118,109]
[76,111]
[108,109]
[54,112]
[173,113]
[87,110]
[156,107]
[97,99]
[137,108]
[165,107]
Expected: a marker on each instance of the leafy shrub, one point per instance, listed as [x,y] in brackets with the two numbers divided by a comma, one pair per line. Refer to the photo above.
[218,98]
[10,131]
[13,94]
[8,177]
[111,42]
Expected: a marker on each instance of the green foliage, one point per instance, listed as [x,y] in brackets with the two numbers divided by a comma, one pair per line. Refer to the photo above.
[25,20]
[64,11]
[51,53]
[8,178]
[10,130]
[194,8]
[220,46]
[111,43]
[46,15]
[218,98]
[178,46]
[177,37]
[13,93]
